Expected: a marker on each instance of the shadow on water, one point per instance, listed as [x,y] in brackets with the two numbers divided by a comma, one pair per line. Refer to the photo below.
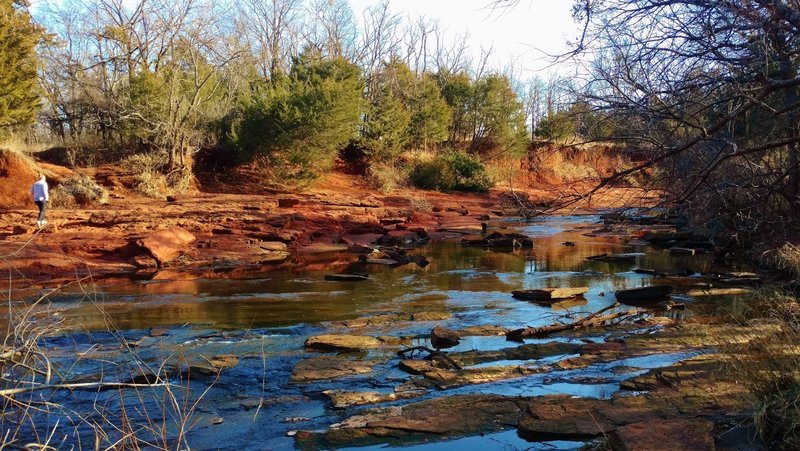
[264,318]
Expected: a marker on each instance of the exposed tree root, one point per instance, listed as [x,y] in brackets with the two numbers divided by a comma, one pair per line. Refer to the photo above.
[434,354]
[594,320]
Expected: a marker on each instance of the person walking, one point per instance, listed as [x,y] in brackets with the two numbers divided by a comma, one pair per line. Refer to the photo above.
[40,197]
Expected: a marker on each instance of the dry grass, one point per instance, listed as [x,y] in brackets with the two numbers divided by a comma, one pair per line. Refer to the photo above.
[20,144]
[554,164]
[504,171]
[769,366]
[47,401]
[151,177]
[79,190]
[420,203]
[387,178]
[787,258]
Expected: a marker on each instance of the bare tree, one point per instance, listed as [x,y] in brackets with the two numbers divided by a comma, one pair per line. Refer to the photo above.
[379,40]
[533,101]
[144,74]
[417,36]
[272,26]
[452,55]
[708,92]
[330,28]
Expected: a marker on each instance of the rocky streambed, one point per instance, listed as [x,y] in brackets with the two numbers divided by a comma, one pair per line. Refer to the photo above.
[288,359]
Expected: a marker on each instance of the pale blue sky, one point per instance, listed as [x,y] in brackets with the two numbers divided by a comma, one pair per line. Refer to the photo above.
[523,34]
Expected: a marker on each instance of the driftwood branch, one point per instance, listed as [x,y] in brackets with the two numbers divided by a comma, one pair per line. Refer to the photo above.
[73,386]
[595,319]
[434,354]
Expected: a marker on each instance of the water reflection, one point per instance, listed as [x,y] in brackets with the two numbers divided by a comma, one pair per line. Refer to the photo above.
[471,276]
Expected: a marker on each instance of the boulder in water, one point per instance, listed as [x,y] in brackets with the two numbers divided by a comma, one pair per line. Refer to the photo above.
[442,337]
[166,245]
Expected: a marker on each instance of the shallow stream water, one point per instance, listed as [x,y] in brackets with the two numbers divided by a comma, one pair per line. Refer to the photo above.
[265,317]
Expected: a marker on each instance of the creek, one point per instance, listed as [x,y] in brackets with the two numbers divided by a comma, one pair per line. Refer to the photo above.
[264,318]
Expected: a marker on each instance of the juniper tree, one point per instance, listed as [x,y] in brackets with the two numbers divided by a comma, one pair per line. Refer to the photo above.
[19,94]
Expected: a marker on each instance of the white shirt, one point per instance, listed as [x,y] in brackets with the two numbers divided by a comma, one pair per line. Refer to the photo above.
[39,191]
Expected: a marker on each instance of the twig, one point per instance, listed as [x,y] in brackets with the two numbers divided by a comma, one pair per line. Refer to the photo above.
[594,319]
[433,353]
[77,385]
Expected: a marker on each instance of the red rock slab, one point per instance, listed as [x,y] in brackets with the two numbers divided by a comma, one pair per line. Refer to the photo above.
[166,245]
[563,418]
[664,435]
[597,348]
[325,367]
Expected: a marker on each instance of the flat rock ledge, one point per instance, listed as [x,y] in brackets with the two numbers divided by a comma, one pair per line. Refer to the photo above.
[165,245]
[678,413]
[341,399]
[329,367]
[333,342]
[448,417]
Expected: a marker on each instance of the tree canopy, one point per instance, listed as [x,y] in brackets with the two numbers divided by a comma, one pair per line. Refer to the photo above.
[19,94]
[301,120]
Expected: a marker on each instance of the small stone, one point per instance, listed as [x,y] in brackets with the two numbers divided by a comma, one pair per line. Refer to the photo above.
[275,246]
[217,420]
[224,361]
[145,261]
[159,331]
[415,366]
[287,202]
[442,337]
[430,316]
[295,419]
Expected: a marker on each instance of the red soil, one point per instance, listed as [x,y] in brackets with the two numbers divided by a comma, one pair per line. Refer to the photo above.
[16,176]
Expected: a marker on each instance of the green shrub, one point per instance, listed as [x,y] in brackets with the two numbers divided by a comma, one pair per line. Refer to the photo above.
[452,171]
[299,122]
[470,173]
[433,175]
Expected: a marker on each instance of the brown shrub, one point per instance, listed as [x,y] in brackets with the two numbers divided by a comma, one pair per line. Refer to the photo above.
[79,190]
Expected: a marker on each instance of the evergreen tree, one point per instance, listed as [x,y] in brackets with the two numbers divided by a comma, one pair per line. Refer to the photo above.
[386,128]
[458,91]
[431,116]
[499,117]
[407,109]
[19,96]
[300,121]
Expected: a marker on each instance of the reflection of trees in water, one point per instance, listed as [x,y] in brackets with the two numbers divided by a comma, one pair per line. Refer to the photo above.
[288,296]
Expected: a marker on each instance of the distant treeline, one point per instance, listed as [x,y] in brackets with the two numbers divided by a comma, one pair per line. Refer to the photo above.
[287,82]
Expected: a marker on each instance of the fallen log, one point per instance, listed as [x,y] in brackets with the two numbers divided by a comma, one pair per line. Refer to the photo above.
[433,354]
[595,319]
